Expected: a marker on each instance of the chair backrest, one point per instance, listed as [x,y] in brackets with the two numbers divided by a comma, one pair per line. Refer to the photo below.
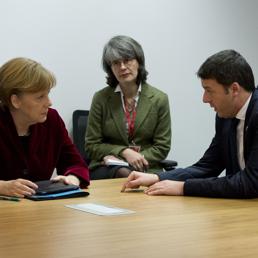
[80,120]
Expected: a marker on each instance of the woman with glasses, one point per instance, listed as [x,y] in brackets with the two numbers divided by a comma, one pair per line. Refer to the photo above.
[129,119]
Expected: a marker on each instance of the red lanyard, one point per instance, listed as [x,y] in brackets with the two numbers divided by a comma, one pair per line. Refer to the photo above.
[130,118]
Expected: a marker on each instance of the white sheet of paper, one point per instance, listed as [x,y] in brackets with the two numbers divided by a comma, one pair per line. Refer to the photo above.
[114,162]
[99,209]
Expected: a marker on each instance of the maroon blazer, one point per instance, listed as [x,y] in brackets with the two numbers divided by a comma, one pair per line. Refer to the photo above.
[48,147]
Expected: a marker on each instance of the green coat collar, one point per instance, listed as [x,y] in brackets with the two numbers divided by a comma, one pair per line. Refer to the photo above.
[117,112]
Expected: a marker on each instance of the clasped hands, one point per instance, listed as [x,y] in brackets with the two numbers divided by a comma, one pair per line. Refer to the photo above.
[134,158]
[155,187]
[22,187]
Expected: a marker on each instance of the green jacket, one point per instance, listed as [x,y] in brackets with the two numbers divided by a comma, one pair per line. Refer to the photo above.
[106,130]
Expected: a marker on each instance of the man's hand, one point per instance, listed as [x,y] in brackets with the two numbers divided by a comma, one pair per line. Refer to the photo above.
[166,187]
[135,159]
[69,180]
[137,179]
[18,188]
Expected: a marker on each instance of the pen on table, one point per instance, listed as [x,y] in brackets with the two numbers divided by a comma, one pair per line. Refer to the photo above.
[9,198]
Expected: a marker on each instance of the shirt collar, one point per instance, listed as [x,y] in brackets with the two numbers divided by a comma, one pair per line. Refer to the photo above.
[242,112]
[118,89]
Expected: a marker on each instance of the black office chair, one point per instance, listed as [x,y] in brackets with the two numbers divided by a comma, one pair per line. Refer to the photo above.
[80,120]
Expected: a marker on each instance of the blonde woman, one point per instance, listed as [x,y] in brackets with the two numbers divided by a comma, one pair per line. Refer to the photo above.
[33,137]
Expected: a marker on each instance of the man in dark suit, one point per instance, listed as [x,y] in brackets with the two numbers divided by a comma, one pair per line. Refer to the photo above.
[229,88]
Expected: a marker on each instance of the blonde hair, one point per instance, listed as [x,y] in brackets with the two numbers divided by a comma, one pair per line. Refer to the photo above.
[23,75]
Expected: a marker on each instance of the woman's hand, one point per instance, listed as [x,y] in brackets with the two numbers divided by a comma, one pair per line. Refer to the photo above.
[18,188]
[135,159]
[69,180]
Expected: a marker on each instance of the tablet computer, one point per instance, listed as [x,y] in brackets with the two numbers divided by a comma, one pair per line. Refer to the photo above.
[50,187]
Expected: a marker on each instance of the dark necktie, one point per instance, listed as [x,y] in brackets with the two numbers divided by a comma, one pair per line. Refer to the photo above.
[234,125]
[235,122]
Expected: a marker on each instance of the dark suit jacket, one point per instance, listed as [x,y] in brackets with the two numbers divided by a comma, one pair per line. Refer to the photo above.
[49,147]
[201,178]
[106,131]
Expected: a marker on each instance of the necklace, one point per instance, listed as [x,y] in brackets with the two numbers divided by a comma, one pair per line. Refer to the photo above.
[130,105]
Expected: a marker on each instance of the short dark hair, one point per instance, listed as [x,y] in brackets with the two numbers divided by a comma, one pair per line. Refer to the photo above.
[123,47]
[227,67]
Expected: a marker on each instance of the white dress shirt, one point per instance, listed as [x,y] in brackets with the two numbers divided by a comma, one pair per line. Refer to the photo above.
[240,133]
[136,99]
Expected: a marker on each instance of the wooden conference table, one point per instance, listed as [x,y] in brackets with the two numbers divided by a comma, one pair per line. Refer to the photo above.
[162,226]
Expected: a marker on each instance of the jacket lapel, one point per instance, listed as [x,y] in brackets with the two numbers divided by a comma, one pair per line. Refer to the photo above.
[251,110]
[117,113]
[233,144]
[116,108]
[143,107]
